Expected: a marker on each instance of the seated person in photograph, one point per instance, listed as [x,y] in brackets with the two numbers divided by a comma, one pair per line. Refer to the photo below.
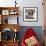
[30,38]
[30,14]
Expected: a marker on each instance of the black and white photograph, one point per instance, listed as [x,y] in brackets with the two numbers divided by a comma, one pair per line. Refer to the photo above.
[30,13]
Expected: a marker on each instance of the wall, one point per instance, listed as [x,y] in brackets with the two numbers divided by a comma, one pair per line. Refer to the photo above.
[35,3]
[26,3]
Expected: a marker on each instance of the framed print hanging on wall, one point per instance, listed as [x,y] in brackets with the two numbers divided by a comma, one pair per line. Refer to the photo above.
[30,14]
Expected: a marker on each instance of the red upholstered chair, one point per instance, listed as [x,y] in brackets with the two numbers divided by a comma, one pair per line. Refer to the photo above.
[28,34]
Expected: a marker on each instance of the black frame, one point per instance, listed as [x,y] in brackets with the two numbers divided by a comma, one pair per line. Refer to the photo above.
[36,14]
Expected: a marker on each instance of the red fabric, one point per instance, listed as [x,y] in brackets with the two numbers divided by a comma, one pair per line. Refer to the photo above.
[29,33]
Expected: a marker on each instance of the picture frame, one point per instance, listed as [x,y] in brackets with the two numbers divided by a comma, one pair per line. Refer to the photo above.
[30,14]
[5,12]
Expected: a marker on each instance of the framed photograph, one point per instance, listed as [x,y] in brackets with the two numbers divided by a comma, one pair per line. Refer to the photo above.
[30,14]
[5,12]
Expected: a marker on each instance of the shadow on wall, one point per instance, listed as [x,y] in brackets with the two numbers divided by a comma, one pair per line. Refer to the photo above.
[37,29]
